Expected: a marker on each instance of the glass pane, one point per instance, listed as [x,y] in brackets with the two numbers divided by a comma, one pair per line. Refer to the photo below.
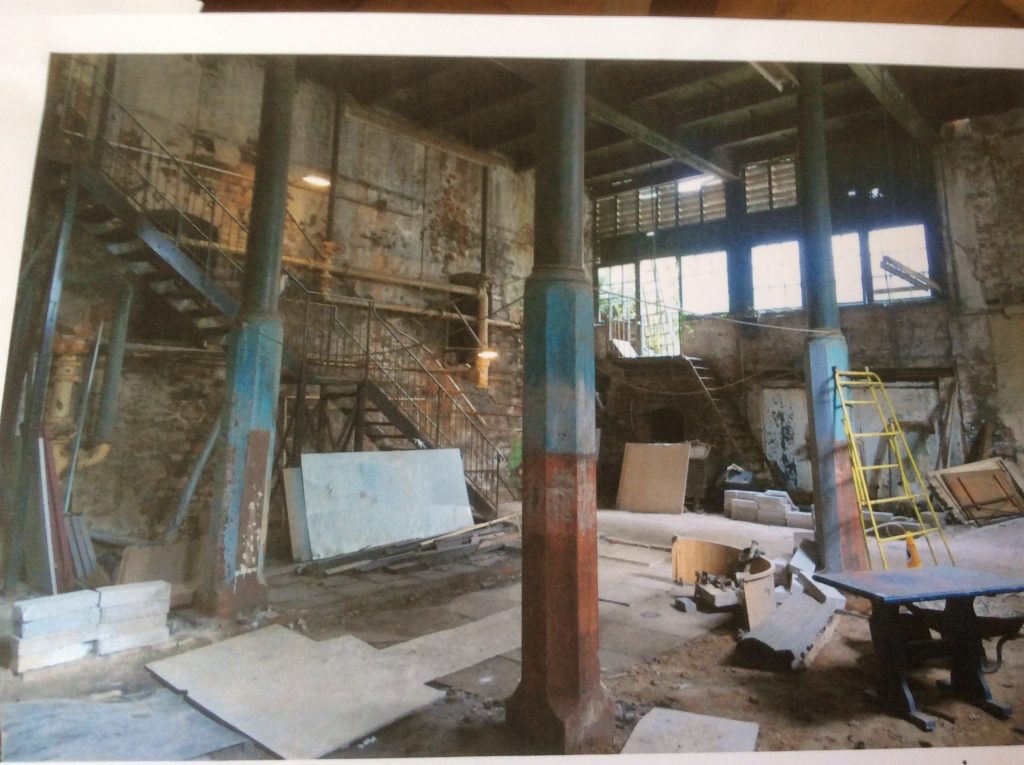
[659,306]
[776,271]
[846,265]
[906,246]
[705,283]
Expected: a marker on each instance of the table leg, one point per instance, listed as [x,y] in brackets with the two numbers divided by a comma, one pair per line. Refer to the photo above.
[891,654]
[966,680]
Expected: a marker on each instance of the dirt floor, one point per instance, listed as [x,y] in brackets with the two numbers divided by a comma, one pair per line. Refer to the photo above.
[825,707]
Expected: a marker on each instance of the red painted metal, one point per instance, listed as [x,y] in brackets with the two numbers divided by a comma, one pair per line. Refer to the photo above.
[560,702]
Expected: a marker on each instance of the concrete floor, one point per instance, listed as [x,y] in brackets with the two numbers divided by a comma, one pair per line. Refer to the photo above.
[638,624]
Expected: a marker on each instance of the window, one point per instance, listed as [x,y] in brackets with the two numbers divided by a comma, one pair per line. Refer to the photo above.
[846,267]
[770,185]
[659,306]
[776,272]
[616,298]
[696,199]
[906,246]
[705,280]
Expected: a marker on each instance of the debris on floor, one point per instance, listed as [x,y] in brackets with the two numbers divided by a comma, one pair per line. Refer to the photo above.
[790,637]
[653,478]
[156,725]
[773,508]
[981,492]
[320,701]
[357,500]
[57,629]
[670,731]
[419,553]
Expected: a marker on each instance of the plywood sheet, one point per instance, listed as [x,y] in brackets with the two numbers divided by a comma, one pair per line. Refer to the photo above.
[298,698]
[670,731]
[357,500]
[653,478]
[158,726]
[295,502]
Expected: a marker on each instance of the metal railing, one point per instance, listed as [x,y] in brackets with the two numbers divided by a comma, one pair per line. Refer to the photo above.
[340,337]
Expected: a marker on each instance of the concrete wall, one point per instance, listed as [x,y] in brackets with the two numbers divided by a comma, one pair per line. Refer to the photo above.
[981,167]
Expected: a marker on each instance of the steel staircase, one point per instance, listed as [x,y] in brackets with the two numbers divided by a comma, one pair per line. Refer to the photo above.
[158,215]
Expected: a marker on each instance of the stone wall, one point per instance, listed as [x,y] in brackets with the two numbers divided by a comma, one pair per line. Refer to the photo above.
[981,168]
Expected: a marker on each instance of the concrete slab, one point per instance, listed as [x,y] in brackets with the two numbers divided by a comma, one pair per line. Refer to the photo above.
[670,731]
[136,592]
[108,630]
[481,603]
[53,625]
[494,678]
[442,653]
[52,606]
[132,640]
[298,698]
[27,646]
[640,556]
[159,726]
[641,644]
[136,610]
[27,662]
[791,636]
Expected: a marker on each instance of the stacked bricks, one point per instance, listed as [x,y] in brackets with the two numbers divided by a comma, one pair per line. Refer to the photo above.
[133,616]
[53,630]
[61,628]
[772,508]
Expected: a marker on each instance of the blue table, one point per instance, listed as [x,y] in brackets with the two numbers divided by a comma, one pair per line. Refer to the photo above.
[901,639]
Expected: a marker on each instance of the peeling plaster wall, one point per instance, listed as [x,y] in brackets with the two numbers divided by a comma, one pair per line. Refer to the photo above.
[981,167]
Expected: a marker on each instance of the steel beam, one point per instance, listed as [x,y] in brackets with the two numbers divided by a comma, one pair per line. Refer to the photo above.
[738,254]
[895,100]
[836,513]
[560,704]
[236,536]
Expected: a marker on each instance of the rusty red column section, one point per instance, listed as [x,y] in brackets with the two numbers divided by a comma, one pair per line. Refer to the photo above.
[560,705]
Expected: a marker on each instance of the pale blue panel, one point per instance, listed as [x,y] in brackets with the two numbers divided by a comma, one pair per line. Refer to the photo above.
[356,500]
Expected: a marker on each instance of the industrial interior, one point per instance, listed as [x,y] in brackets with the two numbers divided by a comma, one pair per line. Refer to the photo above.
[489,406]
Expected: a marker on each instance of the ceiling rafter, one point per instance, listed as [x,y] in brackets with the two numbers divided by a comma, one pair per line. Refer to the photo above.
[895,100]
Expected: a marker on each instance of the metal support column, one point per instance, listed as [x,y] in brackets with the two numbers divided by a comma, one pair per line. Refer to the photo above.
[560,704]
[236,535]
[740,270]
[838,534]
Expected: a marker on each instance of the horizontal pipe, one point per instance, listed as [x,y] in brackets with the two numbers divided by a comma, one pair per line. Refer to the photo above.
[435,313]
[373,276]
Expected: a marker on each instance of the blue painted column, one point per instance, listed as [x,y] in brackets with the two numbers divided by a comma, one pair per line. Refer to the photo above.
[560,705]
[837,530]
[740,268]
[236,535]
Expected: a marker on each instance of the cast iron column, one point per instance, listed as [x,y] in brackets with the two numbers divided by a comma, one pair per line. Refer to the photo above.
[560,704]
[740,270]
[236,534]
[837,528]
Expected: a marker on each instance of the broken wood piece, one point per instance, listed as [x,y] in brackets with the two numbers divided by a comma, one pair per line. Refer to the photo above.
[791,637]
[757,587]
[690,556]
[981,492]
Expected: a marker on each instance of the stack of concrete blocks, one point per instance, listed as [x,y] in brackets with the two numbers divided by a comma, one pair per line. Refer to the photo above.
[57,629]
[133,616]
[53,630]
[772,508]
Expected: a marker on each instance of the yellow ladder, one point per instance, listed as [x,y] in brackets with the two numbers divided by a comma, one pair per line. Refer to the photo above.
[865,390]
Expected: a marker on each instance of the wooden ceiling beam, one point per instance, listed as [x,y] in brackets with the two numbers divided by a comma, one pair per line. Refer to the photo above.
[895,100]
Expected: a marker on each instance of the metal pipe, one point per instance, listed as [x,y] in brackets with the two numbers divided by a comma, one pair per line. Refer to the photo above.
[815,217]
[37,396]
[83,406]
[113,370]
[373,276]
[193,481]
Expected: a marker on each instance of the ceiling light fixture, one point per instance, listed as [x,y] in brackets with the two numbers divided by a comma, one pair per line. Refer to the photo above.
[317,181]
[487,353]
